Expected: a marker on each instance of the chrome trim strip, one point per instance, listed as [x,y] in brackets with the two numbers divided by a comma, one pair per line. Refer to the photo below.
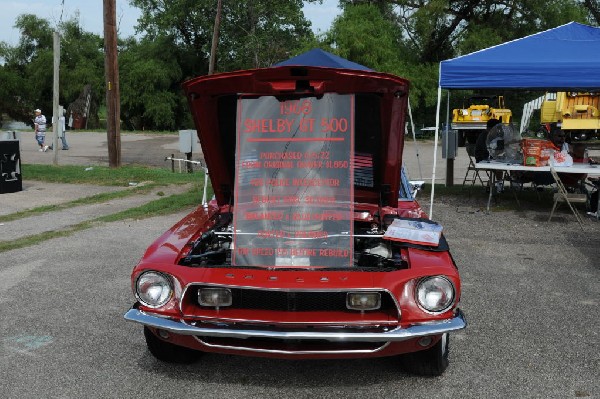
[458,322]
[284,352]
[358,324]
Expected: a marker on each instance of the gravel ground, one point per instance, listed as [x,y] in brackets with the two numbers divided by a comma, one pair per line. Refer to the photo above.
[530,292]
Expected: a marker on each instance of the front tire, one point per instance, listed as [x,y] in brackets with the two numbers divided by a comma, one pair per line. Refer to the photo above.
[430,362]
[168,352]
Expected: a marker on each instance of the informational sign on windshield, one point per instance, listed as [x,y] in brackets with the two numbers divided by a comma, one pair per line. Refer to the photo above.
[294,182]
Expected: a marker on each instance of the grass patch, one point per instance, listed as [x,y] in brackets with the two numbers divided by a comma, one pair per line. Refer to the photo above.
[38,238]
[162,206]
[105,176]
[94,199]
[103,130]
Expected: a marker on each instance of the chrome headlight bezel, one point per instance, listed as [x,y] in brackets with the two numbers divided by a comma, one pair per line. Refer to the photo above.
[152,279]
[444,287]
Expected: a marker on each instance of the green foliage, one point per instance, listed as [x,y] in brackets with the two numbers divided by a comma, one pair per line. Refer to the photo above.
[150,97]
[162,206]
[81,61]
[105,176]
[259,33]
[367,34]
[253,33]
[363,35]
[413,37]
[403,37]
[29,70]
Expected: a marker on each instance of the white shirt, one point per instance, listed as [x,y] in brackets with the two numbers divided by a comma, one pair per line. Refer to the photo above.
[40,122]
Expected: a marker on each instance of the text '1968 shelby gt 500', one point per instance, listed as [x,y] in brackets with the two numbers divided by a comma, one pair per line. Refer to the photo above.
[293,258]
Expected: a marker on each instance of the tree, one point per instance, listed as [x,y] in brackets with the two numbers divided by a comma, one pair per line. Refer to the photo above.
[82,61]
[593,8]
[429,31]
[259,33]
[25,67]
[442,29]
[362,34]
[150,94]
[253,32]
[369,35]
[28,67]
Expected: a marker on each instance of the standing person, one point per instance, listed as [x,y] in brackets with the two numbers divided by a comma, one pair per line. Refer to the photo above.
[40,129]
[558,138]
[63,137]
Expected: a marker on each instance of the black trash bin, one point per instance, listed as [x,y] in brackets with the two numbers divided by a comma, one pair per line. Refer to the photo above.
[10,167]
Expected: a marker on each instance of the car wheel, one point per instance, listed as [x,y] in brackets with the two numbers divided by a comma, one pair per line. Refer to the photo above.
[167,352]
[430,362]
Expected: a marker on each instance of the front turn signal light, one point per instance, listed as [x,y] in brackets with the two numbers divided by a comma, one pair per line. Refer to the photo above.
[215,297]
[363,300]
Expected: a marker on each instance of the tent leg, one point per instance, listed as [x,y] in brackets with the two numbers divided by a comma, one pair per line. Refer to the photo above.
[449,160]
[435,145]
[412,125]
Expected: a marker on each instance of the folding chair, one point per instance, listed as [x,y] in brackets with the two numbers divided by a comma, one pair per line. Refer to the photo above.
[472,174]
[563,196]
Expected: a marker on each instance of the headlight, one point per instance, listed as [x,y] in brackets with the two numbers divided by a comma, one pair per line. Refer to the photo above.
[153,289]
[215,297]
[435,294]
[363,300]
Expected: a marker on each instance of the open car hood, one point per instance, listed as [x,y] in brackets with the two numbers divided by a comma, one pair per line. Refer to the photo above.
[379,103]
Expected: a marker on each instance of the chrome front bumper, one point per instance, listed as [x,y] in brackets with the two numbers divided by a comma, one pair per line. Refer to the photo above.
[458,322]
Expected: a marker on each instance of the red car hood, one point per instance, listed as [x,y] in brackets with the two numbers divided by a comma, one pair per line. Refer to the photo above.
[380,103]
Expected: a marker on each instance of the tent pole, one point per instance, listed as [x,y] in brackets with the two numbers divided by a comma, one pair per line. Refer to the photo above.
[449,159]
[412,125]
[435,145]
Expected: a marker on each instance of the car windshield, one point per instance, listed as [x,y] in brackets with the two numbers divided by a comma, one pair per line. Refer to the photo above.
[295,173]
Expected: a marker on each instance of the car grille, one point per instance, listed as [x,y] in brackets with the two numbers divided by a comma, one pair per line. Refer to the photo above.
[290,301]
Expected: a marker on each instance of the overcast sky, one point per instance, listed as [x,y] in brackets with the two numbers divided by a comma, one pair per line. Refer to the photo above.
[90,12]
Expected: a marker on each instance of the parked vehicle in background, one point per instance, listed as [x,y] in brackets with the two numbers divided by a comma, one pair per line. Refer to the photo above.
[302,252]
[471,119]
[576,113]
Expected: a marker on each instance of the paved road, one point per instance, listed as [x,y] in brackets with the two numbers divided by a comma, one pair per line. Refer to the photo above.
[90,148]
[531,293]
[531,301]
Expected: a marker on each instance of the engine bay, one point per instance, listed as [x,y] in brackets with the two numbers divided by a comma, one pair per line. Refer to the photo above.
[370,250]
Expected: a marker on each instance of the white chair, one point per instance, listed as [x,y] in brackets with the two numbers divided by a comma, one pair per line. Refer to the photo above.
[570,198]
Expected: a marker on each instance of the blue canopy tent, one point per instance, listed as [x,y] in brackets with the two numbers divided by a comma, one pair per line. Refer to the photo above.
[320,58]
[563,58]
[566,57]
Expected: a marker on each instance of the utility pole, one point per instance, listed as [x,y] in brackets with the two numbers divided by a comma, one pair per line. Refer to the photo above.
[55,99]
[111,66]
